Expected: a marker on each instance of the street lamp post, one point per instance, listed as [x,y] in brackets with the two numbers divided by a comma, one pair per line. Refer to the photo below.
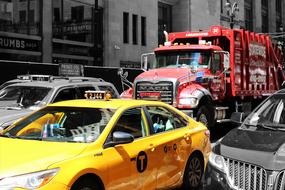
[233,9]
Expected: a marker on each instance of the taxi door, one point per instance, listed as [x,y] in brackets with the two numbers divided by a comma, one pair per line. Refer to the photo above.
[132,165]
[172,143]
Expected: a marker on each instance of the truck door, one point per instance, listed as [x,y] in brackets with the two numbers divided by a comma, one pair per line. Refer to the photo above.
[217,85]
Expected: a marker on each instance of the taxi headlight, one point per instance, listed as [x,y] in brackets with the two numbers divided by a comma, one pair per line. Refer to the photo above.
[218,162]
[281,150]
[191,101]
[28,181]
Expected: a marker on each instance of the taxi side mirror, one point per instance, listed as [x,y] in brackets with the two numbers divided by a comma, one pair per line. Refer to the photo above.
[120,137]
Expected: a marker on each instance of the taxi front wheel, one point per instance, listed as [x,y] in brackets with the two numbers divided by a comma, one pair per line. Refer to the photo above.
[193,173]
[86,184]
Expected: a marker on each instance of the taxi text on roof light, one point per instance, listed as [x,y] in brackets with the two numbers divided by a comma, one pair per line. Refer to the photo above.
[34,77]
[97,95]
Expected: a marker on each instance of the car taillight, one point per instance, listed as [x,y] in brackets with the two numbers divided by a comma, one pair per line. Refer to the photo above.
[207,133]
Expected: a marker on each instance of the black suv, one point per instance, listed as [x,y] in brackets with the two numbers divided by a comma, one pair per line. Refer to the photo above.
[252,156]
[31,93]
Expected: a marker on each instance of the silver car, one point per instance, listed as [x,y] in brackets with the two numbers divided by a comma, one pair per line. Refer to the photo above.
[20,99]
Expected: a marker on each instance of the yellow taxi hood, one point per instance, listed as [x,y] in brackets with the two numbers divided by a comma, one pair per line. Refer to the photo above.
[18,156]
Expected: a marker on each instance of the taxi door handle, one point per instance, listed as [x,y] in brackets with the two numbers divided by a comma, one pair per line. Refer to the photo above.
[151,147]
[187,136]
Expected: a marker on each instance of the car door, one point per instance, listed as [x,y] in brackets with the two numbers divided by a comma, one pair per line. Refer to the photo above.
[172,144]
[132,165]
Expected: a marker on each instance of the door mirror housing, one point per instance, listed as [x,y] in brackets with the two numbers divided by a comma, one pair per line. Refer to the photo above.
[120,137]
[237,117]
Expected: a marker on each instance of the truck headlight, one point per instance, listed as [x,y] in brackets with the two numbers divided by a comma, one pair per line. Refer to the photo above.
[191,101]
[28,181]
[218,162]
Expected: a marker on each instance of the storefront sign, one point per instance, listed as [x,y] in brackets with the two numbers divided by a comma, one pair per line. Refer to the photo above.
[68,69]
[73,28]
[19,44]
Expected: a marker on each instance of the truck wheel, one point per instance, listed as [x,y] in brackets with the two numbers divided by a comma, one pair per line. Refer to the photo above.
[193,173]
[205,115]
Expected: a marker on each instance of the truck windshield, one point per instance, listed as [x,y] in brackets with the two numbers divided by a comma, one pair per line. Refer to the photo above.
[182,59]
[17,97]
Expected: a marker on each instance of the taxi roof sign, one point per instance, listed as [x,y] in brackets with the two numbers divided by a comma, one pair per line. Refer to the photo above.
[97,95]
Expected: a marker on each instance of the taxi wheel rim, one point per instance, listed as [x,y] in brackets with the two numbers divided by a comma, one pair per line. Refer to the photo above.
[195,172]
[203,119]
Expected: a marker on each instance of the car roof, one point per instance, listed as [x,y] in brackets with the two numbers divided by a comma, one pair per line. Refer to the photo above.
[110,104]
[61,82]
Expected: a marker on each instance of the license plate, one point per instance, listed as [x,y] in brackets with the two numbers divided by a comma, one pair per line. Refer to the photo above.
[150,95]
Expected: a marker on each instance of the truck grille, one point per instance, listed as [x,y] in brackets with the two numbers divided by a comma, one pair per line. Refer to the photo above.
[165,89]
[280,181]
[244,176]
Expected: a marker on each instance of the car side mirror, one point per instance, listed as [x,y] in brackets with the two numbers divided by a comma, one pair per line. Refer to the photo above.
[237,117]
[120,137]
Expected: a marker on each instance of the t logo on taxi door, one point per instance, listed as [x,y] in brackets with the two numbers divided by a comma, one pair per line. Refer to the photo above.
[141,161]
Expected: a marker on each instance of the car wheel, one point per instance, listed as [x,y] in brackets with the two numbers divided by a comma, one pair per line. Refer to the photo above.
[193,173]
[206,116]
[86,184]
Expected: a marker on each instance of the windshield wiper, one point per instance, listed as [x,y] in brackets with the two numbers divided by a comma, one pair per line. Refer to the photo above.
[266,126]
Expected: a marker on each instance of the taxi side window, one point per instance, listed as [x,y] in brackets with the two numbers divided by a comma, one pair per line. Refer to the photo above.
[131,121]
[163,119]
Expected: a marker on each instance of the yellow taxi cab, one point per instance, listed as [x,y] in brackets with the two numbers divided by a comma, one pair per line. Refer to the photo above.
[111,144]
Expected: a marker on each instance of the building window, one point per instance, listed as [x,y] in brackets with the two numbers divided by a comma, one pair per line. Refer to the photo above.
[77,13]
[264,12]
[222,6]
[77,32]
[143,31]
[20,16]
[126,27]
[135,29]
[164,20]
[248,15]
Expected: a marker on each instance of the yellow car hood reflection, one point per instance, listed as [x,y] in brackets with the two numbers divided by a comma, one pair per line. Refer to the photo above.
[18,156]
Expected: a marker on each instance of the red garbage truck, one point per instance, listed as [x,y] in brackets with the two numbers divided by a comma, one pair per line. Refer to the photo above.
[211,74]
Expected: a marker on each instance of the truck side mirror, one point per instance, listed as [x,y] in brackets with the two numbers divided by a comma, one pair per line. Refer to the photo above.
[226,61]
[237,117]
[147,58]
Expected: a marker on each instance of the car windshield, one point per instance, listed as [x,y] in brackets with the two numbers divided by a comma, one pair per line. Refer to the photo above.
[18,97]
[270,114]
[62,124]
[182,59]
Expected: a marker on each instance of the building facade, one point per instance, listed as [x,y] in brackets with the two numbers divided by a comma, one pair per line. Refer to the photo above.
[114,33]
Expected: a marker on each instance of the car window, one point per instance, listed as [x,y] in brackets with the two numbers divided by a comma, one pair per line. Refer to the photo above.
[65,94]
[108,88]
[63,124]
[131,121]
[82,91]
[164,120]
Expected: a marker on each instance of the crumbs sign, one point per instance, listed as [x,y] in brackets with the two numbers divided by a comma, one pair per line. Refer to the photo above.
[19,44]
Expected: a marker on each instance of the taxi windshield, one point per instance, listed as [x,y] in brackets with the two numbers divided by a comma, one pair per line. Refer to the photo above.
[270,114]
[62,124]
[17,97]
[186,59]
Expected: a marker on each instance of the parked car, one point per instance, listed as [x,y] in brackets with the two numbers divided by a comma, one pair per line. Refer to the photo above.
[21,98]
[104,144]
[252,156]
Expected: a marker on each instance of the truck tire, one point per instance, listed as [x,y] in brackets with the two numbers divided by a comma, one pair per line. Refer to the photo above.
[206,116]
